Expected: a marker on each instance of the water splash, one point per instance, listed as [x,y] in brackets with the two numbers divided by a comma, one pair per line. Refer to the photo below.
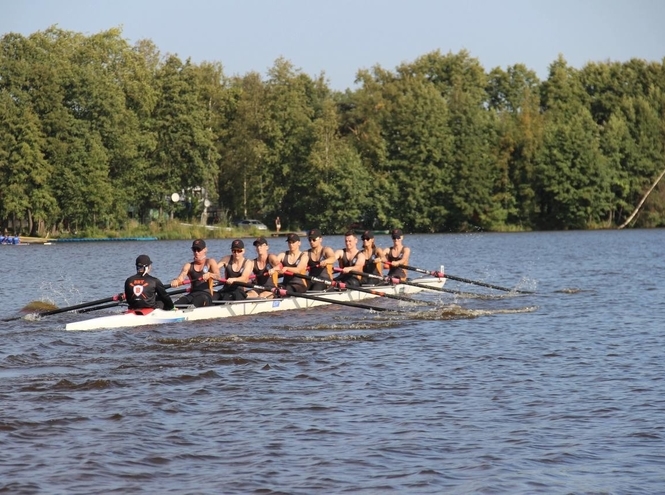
[455,312]
[569,290]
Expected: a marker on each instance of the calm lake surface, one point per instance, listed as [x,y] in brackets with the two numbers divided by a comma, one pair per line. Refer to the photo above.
[561,391]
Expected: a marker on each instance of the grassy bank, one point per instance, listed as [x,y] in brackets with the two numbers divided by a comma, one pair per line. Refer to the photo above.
[172,230]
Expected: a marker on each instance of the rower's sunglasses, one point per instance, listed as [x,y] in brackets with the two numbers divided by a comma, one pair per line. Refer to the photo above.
[313,238]
[236,251]
[197,250]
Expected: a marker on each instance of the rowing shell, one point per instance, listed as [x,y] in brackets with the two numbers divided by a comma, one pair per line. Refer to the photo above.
[242,308]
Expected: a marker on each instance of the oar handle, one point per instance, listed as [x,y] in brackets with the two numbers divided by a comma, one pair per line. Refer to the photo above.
[391,280]
[325,281]
[344,286]
[284,292]
[396,280]
[96,308]
[419,270]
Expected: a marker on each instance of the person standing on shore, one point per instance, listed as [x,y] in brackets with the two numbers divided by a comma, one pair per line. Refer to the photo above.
[278,225]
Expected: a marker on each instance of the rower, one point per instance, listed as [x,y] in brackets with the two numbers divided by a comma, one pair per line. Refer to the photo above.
[202,272]
[142,290]
[374,259]
[397,255]
[237,268]
[292,260]
[320,260]
[264,270]
[349,260]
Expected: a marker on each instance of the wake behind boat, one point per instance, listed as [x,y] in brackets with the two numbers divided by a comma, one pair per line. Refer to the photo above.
[137,318]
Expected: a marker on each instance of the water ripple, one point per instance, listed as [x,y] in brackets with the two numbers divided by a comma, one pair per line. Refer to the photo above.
[556,392]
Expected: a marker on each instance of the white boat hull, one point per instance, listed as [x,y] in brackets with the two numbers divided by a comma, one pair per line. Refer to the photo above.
[245,308]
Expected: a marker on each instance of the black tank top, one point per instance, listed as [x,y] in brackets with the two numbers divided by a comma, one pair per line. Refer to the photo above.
[195,277]
[371,261]
[344,262]
[290,279]
[315,270]
[396,271]
[229,272]
[263,276]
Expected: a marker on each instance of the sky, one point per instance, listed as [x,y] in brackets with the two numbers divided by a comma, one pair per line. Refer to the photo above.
[338,37]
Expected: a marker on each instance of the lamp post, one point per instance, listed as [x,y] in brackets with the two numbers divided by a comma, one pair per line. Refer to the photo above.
[175,197]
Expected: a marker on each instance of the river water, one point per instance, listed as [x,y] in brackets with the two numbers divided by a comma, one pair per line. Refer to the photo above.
[561,391]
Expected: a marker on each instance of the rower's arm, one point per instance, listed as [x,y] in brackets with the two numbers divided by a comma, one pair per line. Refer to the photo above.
[280,264]
[223,262]
[302,264]
[213,270]
[330,257]
[182,276]
[274,261]
[405,256]
[164,296]
[381,255]
[246,272]
[360,263]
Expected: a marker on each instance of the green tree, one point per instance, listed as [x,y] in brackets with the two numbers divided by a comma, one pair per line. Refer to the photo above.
[462,82]
[419,153]
[244,149]
[185,156]
[216,97]
[24,173]
[515,99]
[292,100]
[572,179]
[333,188]
[639,152]
[81,180]
[362,114]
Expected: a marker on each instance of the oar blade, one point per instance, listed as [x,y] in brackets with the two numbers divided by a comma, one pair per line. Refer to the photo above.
[38,307]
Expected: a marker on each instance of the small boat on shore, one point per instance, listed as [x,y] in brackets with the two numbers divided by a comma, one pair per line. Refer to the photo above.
[248,307]
[11,240]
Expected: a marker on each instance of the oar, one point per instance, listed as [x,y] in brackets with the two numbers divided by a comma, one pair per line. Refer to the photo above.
[460,279]
[118,303]
[343,286]
[284,292]
[103,306]
[115,298]
[71,308]
[395,281]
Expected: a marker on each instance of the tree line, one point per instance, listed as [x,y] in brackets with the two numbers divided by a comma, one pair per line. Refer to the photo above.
[95,131]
